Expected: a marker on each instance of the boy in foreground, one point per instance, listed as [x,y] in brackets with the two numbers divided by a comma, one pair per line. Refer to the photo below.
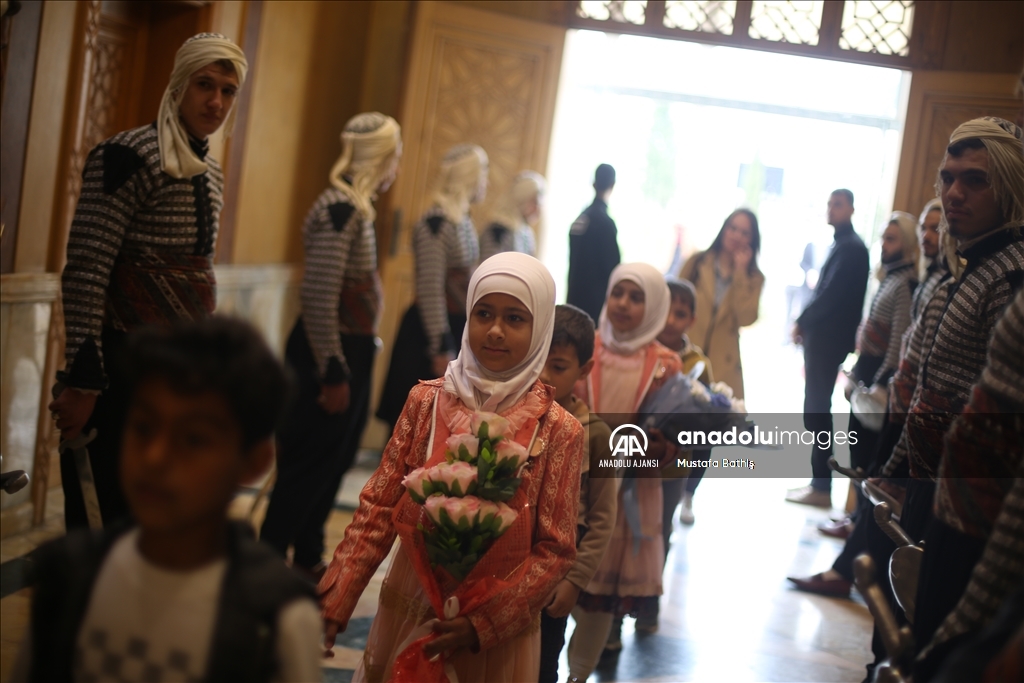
[570,360]
[183,594]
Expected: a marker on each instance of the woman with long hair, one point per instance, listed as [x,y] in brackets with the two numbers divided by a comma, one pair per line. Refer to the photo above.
[728,284]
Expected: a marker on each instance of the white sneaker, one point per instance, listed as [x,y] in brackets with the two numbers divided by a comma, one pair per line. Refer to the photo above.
[686,509]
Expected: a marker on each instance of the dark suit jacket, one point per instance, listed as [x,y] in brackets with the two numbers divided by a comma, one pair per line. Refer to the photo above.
[593,255]
[829,322]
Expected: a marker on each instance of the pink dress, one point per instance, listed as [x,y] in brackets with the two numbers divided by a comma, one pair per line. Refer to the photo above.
[627,583]
[508,626]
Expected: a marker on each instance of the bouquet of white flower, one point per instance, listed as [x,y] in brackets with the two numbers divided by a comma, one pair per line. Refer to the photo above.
[465,496]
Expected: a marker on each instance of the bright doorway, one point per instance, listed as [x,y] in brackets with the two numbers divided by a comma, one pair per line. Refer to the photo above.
[695,131]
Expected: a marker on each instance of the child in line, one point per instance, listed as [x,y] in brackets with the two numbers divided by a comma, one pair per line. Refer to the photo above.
[184,594]
[629,364]
[569,361]
[511,304]
[682,314]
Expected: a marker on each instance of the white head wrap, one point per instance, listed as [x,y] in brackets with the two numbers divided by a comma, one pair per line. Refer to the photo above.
[367,143]
[1002,140]
[525,278]
[458,180]
[932,205]
[657,301]
[176,156]
[909,245]
[525,187]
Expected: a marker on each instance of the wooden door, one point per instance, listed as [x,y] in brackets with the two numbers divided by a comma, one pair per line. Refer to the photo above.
[939,102]
[473,77]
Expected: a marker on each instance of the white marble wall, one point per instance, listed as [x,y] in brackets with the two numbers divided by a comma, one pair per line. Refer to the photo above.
[265,295]
[26,305]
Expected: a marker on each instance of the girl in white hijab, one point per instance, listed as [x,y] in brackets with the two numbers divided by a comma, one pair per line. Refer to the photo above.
[512,304]
[630,364]
[480,387]
[627,355]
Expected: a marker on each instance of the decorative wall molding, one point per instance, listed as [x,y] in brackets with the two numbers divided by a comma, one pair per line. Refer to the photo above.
[938,103]
[29,288]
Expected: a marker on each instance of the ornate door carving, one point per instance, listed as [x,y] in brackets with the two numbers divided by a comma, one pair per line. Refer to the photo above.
[473,77]
[939,102]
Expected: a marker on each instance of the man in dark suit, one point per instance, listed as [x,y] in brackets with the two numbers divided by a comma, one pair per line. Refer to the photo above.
[593,248]
[827,329]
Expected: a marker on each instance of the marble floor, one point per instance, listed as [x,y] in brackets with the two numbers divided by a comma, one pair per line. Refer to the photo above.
[727,613]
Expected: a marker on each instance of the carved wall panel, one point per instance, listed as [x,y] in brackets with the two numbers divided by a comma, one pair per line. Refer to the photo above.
[478,81]
[477,78]
[484,96]
[939,102]
[943,113]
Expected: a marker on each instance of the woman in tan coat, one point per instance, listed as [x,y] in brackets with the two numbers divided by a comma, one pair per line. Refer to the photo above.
[728,284]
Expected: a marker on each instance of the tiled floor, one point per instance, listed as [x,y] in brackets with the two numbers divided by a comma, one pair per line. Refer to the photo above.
[727,613]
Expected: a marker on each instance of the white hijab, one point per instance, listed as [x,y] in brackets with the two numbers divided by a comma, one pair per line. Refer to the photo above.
[176,156]
[525,278]
[367,144]
[656,305]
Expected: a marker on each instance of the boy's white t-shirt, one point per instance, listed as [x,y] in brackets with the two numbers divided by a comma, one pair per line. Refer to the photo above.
[145,623]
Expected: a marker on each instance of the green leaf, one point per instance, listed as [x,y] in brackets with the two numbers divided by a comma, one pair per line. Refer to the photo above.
[482,432]
[487,523]
[483,468]
[456,490]
[464,454]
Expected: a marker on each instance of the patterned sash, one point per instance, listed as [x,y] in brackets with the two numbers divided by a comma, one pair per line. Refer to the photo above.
[360,305]
[160,289]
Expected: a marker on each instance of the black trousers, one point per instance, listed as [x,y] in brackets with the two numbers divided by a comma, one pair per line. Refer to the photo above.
[863,516]
[949,560]
[315,449]
[105,451]
[552,640]
[552,634]
[917,515]
[410,362]
[821,366]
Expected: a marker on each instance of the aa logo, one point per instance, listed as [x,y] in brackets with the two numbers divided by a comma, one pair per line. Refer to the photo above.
[625,443]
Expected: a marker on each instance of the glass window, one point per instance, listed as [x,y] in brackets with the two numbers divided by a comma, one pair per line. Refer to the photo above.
[881,27]
[786,21]
[622,11]
[714,16]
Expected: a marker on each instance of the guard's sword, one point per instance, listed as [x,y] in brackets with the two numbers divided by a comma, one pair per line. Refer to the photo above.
[78,449]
